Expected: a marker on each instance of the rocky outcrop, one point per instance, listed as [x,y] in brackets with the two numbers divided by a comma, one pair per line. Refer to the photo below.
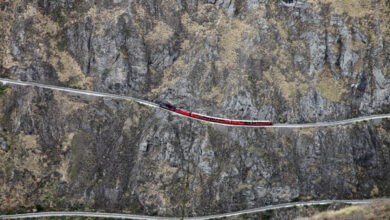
[246,59]
[71,151]
[297,212]
[253,59]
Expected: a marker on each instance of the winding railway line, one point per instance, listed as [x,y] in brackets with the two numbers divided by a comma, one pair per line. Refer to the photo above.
[196,116]
[192,115]
[145,217]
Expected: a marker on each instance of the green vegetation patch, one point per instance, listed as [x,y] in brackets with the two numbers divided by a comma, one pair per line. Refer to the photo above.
[267,214]
[123,51]
[321,206]
[3,89]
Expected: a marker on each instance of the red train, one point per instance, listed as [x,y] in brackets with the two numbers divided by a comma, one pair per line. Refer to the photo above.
[216,120]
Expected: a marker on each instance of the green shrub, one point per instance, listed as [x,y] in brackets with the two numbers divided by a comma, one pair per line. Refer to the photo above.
[296,199]
[74,207]
[321,206]
[267,215]
[3,89]
[39,207]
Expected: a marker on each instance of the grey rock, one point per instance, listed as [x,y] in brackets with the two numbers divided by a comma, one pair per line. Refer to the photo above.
[226,58]
[3,145]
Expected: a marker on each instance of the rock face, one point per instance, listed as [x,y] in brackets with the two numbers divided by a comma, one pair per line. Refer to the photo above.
[299,212]
[253,59]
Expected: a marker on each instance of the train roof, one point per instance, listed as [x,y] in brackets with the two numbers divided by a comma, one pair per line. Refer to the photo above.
[230,119]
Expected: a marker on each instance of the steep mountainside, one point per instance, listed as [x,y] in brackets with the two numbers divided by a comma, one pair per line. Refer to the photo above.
[244,59]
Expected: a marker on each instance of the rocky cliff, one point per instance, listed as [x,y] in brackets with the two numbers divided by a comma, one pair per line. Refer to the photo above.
[250,59]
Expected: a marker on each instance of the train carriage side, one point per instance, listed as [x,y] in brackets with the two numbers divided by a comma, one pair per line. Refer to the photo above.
[213,119]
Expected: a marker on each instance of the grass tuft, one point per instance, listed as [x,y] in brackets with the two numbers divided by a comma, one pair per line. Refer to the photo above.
[3,89]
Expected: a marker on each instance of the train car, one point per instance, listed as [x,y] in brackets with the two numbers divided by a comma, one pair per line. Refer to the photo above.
[253,123]
[213,119]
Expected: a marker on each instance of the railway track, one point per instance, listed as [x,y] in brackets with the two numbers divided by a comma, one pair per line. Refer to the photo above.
[145,217]
[154,105]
